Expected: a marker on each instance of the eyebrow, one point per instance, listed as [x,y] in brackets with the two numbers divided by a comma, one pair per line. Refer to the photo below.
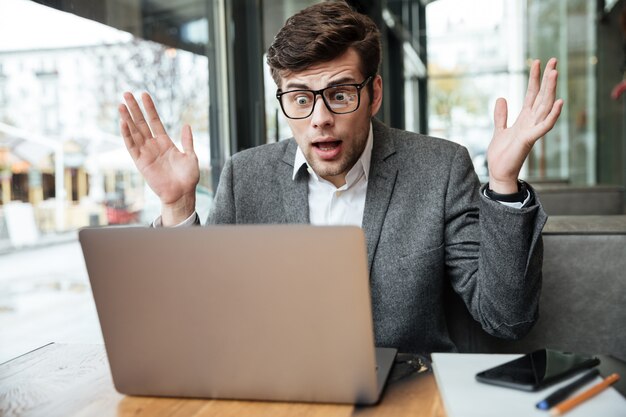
[300,86]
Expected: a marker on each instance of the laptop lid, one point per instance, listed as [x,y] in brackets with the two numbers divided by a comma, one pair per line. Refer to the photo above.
[256,312]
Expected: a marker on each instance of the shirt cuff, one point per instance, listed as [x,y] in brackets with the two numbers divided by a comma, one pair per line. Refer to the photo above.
[189,221]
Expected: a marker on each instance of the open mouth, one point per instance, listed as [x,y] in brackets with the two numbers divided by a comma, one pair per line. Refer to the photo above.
[327,150]
[327,146]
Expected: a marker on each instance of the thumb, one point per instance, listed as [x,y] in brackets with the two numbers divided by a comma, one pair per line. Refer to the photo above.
[187,140]
[500,114]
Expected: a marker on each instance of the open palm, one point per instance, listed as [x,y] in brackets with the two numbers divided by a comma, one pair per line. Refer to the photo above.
[172,174]
[511,145]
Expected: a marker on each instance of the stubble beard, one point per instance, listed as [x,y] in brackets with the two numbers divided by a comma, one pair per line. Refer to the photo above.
[343,165]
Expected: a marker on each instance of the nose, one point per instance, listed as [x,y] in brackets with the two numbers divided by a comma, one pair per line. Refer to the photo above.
[321,116]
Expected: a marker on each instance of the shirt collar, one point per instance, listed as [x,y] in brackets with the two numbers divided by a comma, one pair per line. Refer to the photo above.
[362,165]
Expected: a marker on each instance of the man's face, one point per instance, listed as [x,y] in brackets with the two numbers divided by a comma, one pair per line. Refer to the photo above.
[332,143]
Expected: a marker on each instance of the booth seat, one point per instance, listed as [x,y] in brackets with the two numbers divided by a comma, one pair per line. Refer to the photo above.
[583,300]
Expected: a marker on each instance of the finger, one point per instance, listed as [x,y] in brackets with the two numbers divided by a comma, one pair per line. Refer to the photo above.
[154,120]
[137,115]
[128,140]
[550,120]
[548,123]
[544,106]
[187,140]
[500,114]
[134,133]
[533,84]
[544,90]
[550,95]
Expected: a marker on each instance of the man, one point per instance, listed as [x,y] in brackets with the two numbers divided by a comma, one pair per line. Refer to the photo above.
[417,198]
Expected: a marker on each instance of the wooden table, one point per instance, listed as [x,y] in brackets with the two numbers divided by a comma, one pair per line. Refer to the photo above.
[74,380]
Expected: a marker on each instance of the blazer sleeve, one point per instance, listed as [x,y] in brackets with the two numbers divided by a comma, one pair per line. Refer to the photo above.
[494,253]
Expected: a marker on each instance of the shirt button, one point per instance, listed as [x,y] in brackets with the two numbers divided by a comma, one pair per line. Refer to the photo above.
[338,193]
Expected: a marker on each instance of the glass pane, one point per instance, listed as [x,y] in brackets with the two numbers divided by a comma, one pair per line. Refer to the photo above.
[567,30]
[473,59]
[63,164]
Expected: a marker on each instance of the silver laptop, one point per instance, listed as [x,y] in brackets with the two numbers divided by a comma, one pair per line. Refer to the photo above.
[263,312]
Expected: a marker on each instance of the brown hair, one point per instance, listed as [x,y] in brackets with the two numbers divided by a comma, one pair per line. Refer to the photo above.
[321,33]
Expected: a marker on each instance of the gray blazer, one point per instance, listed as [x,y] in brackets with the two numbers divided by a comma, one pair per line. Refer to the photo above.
[426,225]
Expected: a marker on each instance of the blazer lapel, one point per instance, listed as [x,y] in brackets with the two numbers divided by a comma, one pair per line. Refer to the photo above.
[382,178]
[295,192]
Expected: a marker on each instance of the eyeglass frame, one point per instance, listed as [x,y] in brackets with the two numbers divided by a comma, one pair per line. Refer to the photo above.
[320,92]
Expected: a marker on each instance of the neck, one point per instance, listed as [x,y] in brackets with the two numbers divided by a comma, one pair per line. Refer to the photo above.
[337,180]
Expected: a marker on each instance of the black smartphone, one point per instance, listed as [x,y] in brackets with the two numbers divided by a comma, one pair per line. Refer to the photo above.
[537,370]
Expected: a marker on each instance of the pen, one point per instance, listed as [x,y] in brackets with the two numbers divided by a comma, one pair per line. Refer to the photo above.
[562,393]
[585,395]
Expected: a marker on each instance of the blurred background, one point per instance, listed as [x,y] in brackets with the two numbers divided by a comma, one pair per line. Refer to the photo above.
[64,65]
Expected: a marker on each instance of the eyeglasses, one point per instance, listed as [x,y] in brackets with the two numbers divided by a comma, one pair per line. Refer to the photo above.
[339,99]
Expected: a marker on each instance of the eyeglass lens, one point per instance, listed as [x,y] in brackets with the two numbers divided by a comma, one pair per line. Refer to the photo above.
[339,99]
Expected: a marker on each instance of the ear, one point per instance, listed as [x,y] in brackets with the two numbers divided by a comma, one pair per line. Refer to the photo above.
[377,100]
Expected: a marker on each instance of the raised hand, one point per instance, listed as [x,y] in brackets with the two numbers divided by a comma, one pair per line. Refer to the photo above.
[510,146]
[172,174]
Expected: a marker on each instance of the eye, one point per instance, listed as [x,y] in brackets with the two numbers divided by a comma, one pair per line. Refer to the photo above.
[340,96]
[301,100]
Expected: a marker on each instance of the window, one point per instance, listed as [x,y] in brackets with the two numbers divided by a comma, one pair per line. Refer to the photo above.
[63,164]
[473,59]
